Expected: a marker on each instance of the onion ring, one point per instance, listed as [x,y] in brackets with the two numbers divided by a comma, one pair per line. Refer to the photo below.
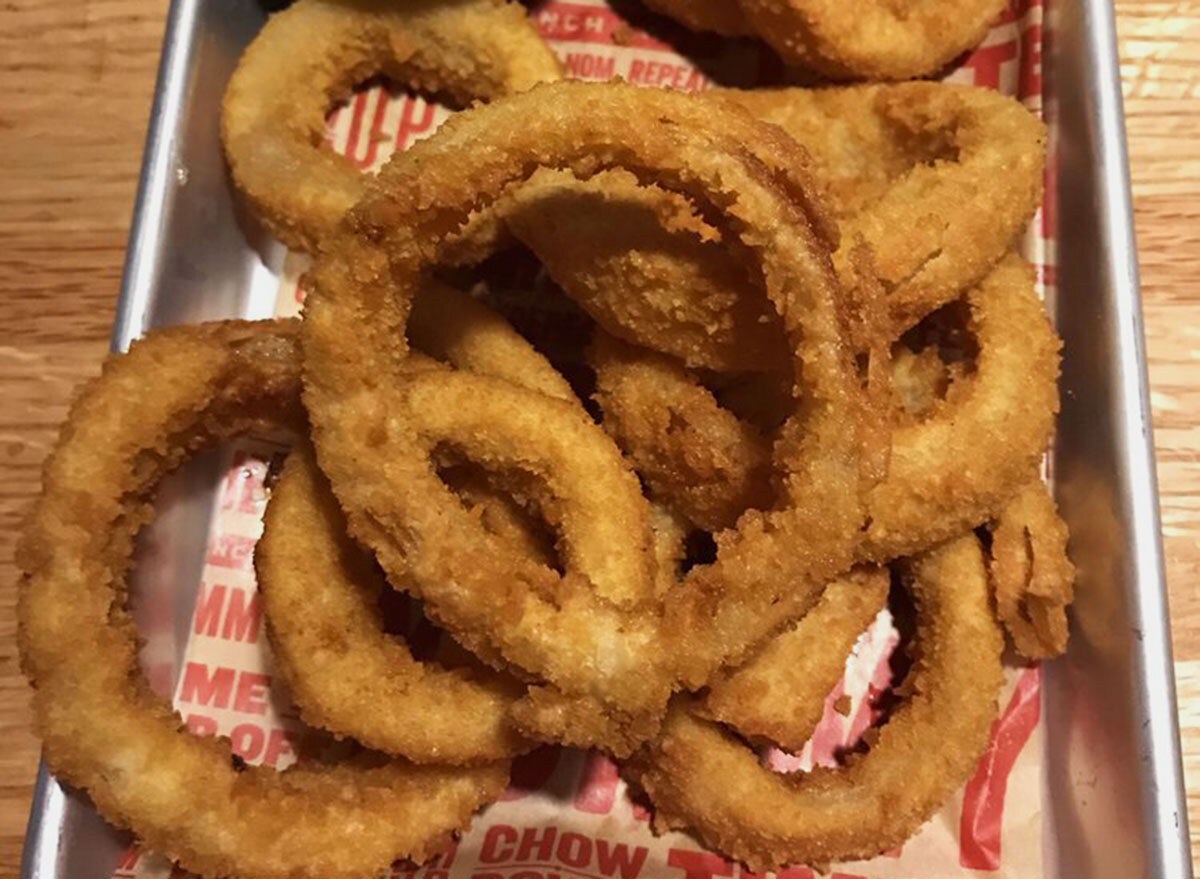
[871,39]
[779,695]
[639,261]
[900,163]
[953,174]
[702,779]
[103,730]
[346,674]
[312,54]
[451,326]
[940,481]
[320,591]
[937,483]
[711,466]
[1032,575]
[582,642]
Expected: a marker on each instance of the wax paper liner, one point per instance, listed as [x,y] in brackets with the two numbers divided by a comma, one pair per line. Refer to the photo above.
[567,814]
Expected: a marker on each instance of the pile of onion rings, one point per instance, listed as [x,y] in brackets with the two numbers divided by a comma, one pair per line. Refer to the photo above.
[805,384]
[103,730]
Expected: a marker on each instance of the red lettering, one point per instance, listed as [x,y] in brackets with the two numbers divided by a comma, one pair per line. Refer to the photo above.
[680,77]
[234,612]
[536,845]
[200,725]
[201,687]
[532,874]
[577,23]
[375,135]
[243,618]
[246,741]
[231,551]
[619,861]
[698,865]
[598,786]
[208,610]
[498,844]
[278,747]
[582,65]
[356,107]
[674,76]
[574,849]
[417,117]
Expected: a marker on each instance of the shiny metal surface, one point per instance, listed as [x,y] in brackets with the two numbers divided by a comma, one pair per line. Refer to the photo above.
[1114,794]
[1115,786]
[188,260]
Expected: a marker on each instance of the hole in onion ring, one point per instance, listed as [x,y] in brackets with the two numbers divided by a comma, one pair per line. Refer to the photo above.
[394,115]
[509,504]
[701,549]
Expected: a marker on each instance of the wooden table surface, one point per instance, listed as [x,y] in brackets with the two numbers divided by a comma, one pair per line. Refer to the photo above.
[77,79]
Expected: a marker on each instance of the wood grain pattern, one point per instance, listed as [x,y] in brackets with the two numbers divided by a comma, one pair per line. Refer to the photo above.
[77,80]
[1160,68]
[69,181]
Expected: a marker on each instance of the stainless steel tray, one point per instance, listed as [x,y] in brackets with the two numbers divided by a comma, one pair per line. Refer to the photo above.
[1114,792]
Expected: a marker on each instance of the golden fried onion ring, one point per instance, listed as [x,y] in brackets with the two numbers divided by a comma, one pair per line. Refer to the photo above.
[637,259]
[346,674]
[103,730]
[938,482]
[702,779]
[871,39]
[1032,575]
[938,180]
[312,54]
[711,465]
[364,409]
[779,695]
[320,590]
[958,467]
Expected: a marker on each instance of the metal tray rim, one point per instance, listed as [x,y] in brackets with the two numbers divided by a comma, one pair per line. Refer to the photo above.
[1166,815]
[1167,819]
